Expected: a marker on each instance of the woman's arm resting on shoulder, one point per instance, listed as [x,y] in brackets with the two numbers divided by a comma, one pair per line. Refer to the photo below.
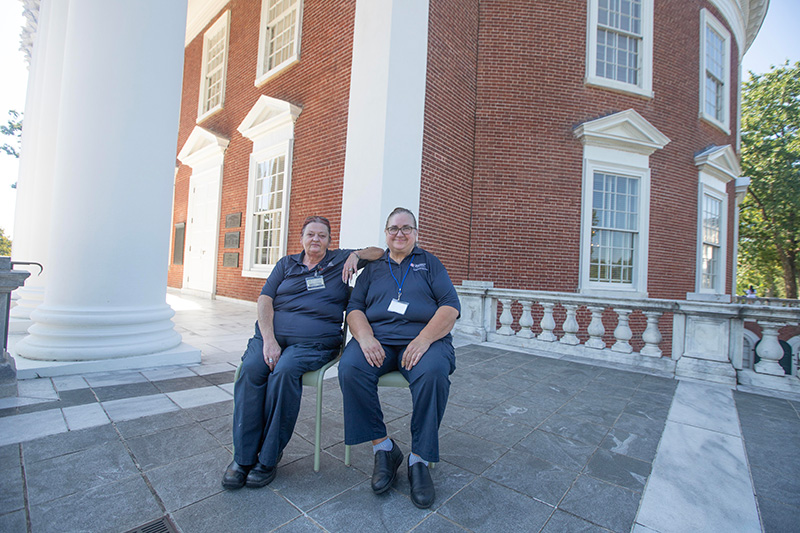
[362,331]
[350,267]
[438,326]
[272,350]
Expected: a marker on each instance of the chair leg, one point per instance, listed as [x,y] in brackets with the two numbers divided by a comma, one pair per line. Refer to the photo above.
[346,455]
[318,427]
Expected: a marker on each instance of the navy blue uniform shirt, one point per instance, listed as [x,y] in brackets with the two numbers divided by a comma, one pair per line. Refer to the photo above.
[300,312]
[427,287]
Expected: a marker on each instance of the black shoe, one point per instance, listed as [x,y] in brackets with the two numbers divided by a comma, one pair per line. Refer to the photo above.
[422,493]
[385,469]
[261,476]
[235,476]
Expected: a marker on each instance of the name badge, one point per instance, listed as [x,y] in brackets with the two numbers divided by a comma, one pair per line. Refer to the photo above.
[397,306]
[316,283]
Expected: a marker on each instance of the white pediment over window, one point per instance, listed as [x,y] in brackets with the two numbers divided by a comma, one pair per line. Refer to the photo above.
[720,162]
[267,116]
[626,130]
[203,148]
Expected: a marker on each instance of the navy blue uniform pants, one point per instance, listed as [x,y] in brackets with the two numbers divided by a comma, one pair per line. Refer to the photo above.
[266,404]
[428,381]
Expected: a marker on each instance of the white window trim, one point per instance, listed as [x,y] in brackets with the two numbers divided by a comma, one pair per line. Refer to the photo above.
[270,125]
[618,144]
[223,21]
[645,86]
[261,74]
[716,166]
[707,19]
[249,269]
[606,164]
[710,187]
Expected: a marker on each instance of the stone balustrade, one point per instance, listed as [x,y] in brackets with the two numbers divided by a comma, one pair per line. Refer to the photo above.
[705,340]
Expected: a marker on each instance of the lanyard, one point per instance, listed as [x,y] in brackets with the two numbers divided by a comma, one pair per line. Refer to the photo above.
[399,283]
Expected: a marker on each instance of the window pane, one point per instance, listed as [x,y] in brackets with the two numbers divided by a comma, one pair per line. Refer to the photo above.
[614,226]
[269,210]
[281,30]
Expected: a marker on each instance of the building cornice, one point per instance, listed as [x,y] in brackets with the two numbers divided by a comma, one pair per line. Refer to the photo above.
[199,13]
[744,17]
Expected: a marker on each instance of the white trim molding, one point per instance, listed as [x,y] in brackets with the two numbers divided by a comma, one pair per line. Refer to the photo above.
[710,22]
[619,145]
[289,21]
[644,54]
[270,125]
[203,149]
[223,24]
[716,165]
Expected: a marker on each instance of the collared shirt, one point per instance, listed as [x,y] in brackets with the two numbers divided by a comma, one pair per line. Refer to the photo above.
[300,312]
[427,287]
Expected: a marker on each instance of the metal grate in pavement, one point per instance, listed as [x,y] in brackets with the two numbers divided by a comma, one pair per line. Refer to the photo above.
[162,525]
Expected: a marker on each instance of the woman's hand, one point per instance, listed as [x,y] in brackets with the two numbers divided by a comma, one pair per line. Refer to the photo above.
[414,352]
[350,267]
[272,352]
[373,351]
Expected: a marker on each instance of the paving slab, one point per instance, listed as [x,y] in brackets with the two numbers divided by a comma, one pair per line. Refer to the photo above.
[604,504]
[186,481]
[532,476]
[487,506]
[110,508]
[241,510]
[30,426]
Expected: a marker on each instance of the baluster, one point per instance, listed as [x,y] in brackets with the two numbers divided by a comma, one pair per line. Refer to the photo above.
[769,350]
[570,326]
[596,330]
[526,320]
[548,324]
[506,318]
[651,335]
[622,332]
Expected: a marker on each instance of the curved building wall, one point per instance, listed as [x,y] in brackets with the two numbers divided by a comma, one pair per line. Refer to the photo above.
[527,184]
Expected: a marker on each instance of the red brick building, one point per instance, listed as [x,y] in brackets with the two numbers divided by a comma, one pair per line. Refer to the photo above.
[584,146]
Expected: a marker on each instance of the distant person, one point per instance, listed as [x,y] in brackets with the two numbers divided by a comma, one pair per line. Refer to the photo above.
[299,329]
[400,314]
[750,293]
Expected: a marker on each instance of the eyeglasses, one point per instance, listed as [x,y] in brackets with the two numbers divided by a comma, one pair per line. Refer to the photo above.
[405,230]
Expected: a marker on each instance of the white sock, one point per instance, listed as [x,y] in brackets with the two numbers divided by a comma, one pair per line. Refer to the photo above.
[383,446]
[414,458]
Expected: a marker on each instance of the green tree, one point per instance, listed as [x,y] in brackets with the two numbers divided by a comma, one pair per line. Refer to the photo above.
[13,128]
[5,244]
[769,226]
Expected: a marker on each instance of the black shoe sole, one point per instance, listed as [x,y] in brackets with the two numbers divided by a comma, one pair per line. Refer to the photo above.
[230,486]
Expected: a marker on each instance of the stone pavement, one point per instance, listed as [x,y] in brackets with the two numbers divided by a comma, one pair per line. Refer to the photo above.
[528,443]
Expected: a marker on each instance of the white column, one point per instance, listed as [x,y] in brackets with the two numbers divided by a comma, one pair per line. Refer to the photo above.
[383,159]
[37,159]
[115,154]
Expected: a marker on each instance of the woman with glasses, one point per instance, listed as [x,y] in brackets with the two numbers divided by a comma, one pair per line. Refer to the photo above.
[400,315]
[299,329]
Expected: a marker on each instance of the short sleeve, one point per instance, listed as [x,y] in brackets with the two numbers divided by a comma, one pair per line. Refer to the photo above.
[443,289]
[358,298]
[275,278]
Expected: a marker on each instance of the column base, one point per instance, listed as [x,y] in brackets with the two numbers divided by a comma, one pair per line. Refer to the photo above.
[705,370]
[750,378]
[182,354]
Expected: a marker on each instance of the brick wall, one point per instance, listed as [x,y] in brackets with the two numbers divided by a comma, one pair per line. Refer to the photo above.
[319,84]
[528,164]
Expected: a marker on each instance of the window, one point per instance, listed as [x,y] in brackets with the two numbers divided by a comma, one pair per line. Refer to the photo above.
[620,44]
[717,166]
[279,39]
[269,209]
[711,230]
[270,125]
[615,222]
[614,236]
[215,64]
[715,71]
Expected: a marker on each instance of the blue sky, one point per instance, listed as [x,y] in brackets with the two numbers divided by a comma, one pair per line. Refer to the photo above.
[778,40]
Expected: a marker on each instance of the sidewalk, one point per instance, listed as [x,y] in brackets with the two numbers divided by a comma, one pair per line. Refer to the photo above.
[529,443]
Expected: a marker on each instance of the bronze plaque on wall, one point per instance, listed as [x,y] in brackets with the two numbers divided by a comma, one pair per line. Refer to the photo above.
[233,221]
[230,259]
[232,239]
